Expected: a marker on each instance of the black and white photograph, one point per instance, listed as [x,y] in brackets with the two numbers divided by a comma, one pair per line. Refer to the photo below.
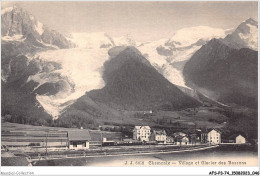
[131,84]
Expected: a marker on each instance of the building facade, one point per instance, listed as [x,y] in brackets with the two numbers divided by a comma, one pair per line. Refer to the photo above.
[159,136]
[204,138]
[78,140]
[185,140]
[214,137]
[142,133]
[169,139]
[240,140]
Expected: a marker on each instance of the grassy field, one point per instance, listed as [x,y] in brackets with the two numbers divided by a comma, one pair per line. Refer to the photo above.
[200,117]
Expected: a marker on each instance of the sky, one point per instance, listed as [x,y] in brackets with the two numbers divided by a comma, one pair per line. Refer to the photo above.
[144,21]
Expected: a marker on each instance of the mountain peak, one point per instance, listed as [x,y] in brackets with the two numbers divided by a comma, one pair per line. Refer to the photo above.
[133,84]
[245,35]
[125,50]
[18,22]
[131,49]
[214,42]
[131,53]
[251,21]
[12,8]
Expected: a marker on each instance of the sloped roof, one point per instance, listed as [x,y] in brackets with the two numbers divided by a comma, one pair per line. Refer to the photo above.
[139,127]
[215,130]
[210,129]
[159,132]
[179,134]
[240,135]
[79,135]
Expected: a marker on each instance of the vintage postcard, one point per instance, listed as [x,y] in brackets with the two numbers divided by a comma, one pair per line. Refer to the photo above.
[165,84]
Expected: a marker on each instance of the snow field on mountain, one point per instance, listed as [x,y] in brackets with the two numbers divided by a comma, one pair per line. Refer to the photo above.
[90,40]
[188,36]
[81,67]
[251,38]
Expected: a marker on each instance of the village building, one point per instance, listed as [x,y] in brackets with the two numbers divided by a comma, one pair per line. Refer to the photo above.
[194,138]
[169,139]
[185,140]
[78,140]
[240,139]
[142,133]
[212,137]
[181,138]
[235,138]
[159,136]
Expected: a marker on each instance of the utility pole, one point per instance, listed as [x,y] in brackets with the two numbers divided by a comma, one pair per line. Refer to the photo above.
[101,139]
[209,138]
[46,152]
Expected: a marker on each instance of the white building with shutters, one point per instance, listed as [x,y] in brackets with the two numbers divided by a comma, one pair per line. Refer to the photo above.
[142,133]
[214,137]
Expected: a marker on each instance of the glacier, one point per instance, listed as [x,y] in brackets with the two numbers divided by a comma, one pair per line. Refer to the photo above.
[182,45]
[81,68]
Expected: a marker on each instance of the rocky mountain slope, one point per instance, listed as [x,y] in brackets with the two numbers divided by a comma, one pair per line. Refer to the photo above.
[133,84]
[223,73]
[17,25]
[169,56]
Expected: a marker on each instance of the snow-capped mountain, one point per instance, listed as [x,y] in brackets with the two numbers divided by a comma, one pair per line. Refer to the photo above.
[64,68]
[92,40]
[100,40]
[245,35]
[233,60]
[81,68]
[18,24]
[169,56]
[188,36]
[54,71]
[224,74]
[132,83]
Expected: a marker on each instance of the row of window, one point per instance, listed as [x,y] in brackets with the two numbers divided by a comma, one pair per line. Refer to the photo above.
[143,131]
[214,137]
[211,140]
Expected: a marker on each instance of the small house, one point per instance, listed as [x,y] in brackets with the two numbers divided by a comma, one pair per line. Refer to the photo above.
[235,138]
[240,139]
[159,136]
[185,140]
[79,140]
[169,139]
